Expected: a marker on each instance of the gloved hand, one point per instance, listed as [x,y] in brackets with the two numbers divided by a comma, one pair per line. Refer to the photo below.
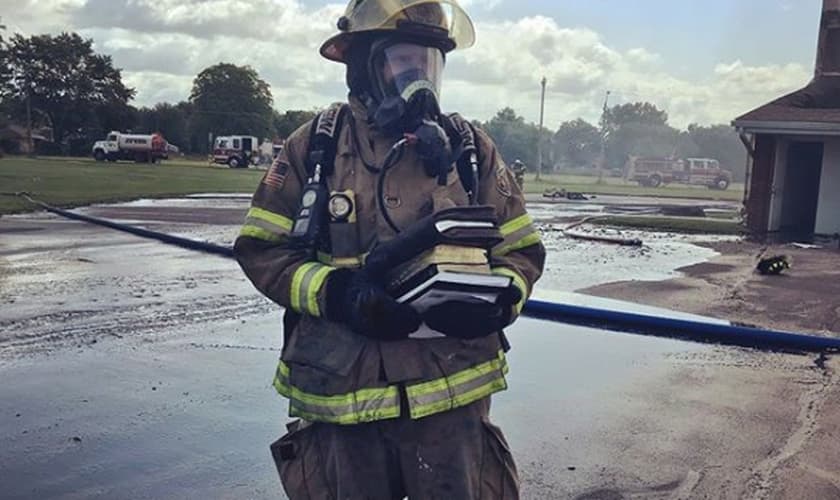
[356,300]
[473,320]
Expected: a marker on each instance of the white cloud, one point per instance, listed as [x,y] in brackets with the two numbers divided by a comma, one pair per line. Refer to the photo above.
[36,16]
[484,4]
[163,44]
[510,58]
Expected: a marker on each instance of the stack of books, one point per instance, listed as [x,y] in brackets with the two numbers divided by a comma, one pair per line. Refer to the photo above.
[446,273]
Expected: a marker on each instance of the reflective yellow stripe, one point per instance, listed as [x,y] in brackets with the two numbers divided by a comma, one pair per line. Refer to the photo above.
[341,262]
[259,233]
[516,224]
[520,283]
[314,288]
[284,372]
[370,405]
[367,405]
[519,233]
[306,284]
[460,400]
[297,283]
[458,390]
[527,241]
[444,384]
[267,226]
[271,217]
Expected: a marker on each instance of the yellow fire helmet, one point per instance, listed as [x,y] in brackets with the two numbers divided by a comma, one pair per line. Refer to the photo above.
[443,21]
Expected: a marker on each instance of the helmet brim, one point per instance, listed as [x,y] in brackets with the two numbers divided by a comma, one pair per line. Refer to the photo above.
[335,48]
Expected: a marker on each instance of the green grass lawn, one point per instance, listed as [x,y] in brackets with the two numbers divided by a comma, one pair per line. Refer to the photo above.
[70,182]
[613,185]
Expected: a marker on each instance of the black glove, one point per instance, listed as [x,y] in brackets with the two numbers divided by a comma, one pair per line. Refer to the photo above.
[473,320]
[357,301]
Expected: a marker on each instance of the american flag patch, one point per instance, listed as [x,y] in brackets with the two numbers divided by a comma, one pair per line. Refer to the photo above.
[276,175]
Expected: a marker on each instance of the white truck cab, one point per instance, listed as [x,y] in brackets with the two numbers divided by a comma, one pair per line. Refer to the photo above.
[236,151]
[135,147]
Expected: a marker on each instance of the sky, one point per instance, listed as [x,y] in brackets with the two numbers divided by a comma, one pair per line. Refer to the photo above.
[704,61]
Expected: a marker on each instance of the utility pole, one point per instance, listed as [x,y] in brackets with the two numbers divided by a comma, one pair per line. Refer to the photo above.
[540,133]
[602,160]
[29,143]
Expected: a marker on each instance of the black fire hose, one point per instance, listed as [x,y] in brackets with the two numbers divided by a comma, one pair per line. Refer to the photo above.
[604,319]
[186,243]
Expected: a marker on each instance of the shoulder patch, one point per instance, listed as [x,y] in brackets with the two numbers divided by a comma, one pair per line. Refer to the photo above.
[502,180]
[276,176]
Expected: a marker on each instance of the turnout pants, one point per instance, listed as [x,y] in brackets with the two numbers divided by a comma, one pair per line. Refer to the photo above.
[457,455]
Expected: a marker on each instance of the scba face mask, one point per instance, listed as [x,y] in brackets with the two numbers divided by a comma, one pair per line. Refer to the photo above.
[406,80]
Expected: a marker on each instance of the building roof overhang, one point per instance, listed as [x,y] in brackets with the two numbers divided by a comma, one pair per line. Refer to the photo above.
[776,127]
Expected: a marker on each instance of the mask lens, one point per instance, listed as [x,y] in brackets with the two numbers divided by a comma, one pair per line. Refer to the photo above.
[407,68]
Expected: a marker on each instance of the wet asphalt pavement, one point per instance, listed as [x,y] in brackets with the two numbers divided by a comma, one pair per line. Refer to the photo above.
[134,370]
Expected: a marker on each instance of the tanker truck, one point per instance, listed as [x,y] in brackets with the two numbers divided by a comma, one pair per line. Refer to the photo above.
[133,147]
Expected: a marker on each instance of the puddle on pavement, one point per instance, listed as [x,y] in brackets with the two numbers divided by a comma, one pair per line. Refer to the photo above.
[574,265]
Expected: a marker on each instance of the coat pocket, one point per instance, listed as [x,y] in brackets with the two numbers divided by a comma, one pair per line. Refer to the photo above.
[499,478]
[324,345]
[300,464]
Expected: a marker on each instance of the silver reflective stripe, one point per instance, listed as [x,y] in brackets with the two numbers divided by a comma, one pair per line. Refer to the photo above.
[519,233]
[358,412]
[366,405]
[274,224]
[305,285]
[454,391]
[267,226]
[458,389]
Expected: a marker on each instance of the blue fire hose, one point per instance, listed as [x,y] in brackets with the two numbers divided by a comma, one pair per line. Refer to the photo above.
[603,319]
[681,329]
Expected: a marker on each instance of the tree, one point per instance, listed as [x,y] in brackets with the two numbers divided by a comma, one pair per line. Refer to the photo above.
[637,129]
[170,120]
[577,143]
[720,142]
[641,139]
[637,112]
[290,121]
[229,100]
[122,117]
[514,138]
[63,79]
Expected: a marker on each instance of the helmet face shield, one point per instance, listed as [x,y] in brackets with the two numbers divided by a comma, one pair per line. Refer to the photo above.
[441,20]
[405,69]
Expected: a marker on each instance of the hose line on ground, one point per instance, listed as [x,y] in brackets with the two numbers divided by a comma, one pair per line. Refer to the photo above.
[604,319]
[200,246]
[680,329]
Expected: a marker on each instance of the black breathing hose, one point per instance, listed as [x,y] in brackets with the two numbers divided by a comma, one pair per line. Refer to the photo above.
[391,159]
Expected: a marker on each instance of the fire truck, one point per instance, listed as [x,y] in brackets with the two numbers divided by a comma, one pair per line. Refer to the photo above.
[133,147]
[656,172]
[236,151]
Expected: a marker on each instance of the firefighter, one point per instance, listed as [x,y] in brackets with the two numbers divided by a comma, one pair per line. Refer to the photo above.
[519,170]
[380,414]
